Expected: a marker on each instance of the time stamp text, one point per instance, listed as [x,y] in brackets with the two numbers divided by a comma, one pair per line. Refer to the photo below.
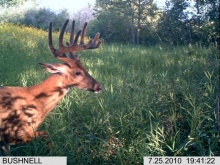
[181,160]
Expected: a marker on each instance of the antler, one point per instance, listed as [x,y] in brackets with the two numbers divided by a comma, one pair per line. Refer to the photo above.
[73,47]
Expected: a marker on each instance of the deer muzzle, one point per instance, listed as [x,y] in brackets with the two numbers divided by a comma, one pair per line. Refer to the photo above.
[98,88]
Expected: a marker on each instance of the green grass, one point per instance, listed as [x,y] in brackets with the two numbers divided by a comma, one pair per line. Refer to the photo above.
[157,101]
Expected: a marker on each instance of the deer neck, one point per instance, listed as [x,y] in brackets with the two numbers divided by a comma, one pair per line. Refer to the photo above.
[48,93]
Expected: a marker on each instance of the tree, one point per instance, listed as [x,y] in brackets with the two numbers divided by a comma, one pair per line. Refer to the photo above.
[112,21]
[113,27]
[172,26]
[184,22]
[7,3]
[134,13]
[41,17]
[205,21]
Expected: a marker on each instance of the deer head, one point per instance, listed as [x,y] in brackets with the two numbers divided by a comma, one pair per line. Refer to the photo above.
[71,68]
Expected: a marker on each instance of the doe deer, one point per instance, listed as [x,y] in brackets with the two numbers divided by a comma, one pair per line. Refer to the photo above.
[23,109]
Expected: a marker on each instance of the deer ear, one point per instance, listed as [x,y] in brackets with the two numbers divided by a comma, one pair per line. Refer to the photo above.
[53,68]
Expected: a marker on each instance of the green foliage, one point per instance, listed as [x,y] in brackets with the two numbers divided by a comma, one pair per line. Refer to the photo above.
[41,17]
[114,30]
[126,18]
[180,22]
[20,47]
[174,19]
[7,3]
[158,101]
[35,17]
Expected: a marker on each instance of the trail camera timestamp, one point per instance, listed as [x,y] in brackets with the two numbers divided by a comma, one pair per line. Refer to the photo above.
[181,160]
[201,160]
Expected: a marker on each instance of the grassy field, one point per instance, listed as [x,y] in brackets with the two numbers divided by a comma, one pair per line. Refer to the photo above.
[157,101]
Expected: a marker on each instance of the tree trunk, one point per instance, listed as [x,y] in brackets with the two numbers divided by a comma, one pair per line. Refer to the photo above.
[132,29]
[131,11]
[139,23]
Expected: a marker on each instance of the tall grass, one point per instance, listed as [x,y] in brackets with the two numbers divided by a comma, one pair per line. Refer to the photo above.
[158,101]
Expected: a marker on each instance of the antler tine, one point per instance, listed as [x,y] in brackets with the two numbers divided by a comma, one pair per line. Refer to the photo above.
[50,38]
[84,33]
[92,44]
[72,35]
[76,38]
[62,33]
[96,44]
[72,32]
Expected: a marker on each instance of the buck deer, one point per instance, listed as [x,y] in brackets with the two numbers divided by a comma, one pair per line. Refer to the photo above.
[23,109]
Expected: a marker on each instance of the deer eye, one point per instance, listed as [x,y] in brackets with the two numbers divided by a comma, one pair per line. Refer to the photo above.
[78,73]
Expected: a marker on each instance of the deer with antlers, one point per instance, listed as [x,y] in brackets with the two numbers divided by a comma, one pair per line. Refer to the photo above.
[23,109]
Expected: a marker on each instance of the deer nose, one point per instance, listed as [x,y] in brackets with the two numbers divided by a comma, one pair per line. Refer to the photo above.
[98,88]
